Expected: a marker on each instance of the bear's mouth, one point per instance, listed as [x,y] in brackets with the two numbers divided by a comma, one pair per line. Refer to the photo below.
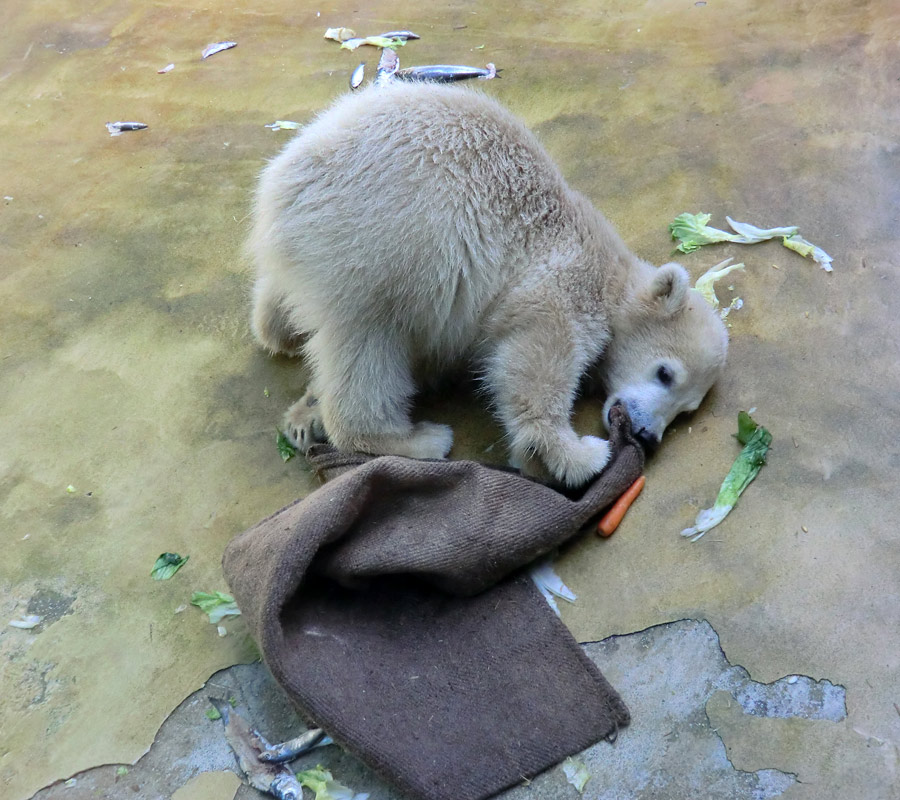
[648,440]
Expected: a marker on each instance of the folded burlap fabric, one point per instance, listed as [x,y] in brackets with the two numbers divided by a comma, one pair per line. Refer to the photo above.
[391,606]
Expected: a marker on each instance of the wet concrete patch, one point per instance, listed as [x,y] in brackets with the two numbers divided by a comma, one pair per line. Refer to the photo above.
[50,605]
[667,675]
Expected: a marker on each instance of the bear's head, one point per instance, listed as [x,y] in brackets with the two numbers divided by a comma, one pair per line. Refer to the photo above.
[668,347]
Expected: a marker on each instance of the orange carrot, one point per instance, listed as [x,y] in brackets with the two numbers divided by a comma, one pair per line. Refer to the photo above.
[611,519]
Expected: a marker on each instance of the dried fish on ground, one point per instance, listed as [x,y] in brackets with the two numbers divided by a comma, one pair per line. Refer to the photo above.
[284,125]
[247,744]
[118,128]
[165,69]
[400,35]
[388,64]
[358,75]
[289,750]
[446,73]
[347,34]
[217,47]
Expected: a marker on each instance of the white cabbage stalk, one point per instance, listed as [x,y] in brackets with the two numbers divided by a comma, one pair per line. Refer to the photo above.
[706,282]
[550,584]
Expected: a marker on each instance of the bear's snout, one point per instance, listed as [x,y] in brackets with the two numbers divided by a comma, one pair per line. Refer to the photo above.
[648,440]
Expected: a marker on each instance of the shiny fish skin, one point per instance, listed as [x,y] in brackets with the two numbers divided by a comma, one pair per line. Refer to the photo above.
[445,73]
[387,66]
[217,47]
[291,749]
[400,35]
[118,128]
[358,75]
[247,744]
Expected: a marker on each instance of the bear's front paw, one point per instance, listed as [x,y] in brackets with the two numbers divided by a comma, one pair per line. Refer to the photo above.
[430,440]
[583,460]
[303,424]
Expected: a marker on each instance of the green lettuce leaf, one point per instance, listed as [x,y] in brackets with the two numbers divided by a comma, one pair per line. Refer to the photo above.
[692,232]
[321,782]
[217,605]
[576,773]
[375,41]
[706,282]
[285,448]
[756,440]
[806,249]
[167,565]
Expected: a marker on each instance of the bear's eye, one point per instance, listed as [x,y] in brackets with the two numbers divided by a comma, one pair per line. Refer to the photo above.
[665,376]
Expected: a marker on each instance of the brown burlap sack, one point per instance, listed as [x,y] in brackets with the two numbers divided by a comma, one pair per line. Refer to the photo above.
[391,606]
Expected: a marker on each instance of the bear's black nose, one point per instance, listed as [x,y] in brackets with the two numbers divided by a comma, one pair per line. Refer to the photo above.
[648,440]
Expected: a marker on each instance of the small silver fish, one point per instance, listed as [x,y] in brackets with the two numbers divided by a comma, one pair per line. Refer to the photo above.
[118,128]
[217,47]
[388,65]
[405,35]
[358,75]
[284,125]
[445,73]
[247,744]
[289,750]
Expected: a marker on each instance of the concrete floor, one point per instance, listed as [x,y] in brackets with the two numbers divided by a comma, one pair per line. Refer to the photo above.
[128,374]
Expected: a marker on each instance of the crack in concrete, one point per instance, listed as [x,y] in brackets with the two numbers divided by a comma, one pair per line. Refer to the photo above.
[666,674]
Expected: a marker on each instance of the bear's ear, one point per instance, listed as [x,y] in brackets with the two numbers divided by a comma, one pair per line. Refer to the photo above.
[669,287]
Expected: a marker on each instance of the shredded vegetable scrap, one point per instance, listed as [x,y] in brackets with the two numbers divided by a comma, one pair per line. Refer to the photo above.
[339,34]
[322,784]
[576,773]
[167,565]
[706,282]
[550,584]
[27,623]
[217,605]
[375,41]
[692,231]
[756,440]
[285,448]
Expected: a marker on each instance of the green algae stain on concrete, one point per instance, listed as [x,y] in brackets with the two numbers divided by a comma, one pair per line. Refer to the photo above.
[128,371]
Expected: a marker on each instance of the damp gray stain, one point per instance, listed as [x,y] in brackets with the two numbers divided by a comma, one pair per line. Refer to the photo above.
[666,674]
[50,605]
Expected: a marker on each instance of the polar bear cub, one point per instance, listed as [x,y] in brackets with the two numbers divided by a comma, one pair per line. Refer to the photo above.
[413,226]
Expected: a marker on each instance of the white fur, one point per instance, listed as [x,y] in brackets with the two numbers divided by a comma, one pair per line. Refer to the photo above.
[411,227]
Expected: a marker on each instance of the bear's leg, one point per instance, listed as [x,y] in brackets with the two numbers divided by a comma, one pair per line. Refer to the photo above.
[271,320]
[533,377]
[364,387]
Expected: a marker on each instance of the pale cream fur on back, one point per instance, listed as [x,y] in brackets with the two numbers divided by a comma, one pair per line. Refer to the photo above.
[411,226]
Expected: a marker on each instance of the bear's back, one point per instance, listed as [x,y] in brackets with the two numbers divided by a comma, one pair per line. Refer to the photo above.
[412,197]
